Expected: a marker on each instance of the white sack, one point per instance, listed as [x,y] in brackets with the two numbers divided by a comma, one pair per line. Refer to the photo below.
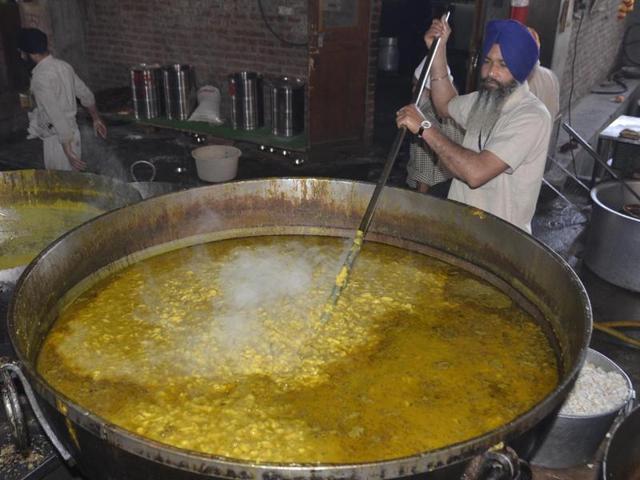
[208,109]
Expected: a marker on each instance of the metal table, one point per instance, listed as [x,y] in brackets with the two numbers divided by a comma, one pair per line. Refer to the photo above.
[609,139]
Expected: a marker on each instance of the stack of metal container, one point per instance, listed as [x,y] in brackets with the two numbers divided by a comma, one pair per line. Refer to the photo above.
[247,111]
[146,90]
[287,106]
[163,91]
[179,90]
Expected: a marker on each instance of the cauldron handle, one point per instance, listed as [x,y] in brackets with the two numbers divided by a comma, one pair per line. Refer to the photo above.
[14,411]
[143,162]
[499,463]
[626,410]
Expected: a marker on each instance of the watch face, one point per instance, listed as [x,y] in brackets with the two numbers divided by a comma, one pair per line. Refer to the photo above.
[426,124]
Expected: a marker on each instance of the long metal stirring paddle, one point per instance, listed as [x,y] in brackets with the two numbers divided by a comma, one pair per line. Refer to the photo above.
[342,279]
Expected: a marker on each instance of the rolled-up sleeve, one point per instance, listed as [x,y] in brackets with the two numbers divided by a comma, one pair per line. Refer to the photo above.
[47,99]
[83,93]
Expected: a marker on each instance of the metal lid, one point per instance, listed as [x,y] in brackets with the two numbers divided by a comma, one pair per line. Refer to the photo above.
[177,66]
[245,75]
[287,82]
[145,66]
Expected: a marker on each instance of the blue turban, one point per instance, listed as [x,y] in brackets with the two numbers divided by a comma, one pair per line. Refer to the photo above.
[519,48]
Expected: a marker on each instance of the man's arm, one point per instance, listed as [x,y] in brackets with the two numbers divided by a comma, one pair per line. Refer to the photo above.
[98,125]
[473,168]
[442,90]
[88,101]
[76,162]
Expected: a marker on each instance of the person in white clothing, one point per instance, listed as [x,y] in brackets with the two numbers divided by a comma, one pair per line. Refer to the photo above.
[423,168]
[544,84]
[499,165]
[55,87]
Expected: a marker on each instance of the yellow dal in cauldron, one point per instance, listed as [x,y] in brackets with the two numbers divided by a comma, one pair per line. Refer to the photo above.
[27,228]
[219,349]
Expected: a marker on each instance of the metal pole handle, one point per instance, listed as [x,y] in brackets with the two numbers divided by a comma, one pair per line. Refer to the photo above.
[19,430]
[343,276]
[6,370]
[426,69]
[393,153]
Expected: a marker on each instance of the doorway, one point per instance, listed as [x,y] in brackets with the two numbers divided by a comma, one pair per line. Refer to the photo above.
[407,21]
[339,52]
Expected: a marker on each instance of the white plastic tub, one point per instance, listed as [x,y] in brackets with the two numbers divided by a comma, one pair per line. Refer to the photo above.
[216,163]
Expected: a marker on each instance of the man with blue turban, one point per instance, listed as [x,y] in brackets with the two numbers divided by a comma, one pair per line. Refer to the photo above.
[499,166]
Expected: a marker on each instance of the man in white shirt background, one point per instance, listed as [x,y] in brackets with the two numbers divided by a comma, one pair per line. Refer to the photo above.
[55,87]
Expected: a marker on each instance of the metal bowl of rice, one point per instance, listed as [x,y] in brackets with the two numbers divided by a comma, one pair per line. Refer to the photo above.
[602,390]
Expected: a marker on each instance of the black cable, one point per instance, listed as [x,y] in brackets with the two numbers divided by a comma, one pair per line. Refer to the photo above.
[618,74]
[616,79]
[273,32]
[573,76]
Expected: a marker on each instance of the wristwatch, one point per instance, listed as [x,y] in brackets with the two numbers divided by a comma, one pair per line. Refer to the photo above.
[423,126]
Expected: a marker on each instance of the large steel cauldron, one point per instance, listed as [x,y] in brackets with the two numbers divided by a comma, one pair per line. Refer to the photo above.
[43,187]
[514,261]
[613,246]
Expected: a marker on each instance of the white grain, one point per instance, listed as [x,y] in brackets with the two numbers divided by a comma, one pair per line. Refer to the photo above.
[596,391]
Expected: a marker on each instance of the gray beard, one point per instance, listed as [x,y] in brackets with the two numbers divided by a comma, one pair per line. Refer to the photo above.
[487,109]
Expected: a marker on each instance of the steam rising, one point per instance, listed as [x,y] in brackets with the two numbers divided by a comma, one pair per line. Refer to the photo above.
[259,287]
[266,275]
[248,309]
[100,157]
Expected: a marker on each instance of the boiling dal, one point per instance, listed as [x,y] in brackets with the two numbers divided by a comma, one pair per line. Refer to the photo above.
[218,348]
[26,228]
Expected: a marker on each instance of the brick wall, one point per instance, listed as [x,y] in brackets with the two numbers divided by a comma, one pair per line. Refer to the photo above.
[599,45]
[217,37]
[35,14]
[374,24]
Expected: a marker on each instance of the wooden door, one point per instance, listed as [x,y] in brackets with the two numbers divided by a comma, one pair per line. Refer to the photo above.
[484,11]
[475,47]
[339,54]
